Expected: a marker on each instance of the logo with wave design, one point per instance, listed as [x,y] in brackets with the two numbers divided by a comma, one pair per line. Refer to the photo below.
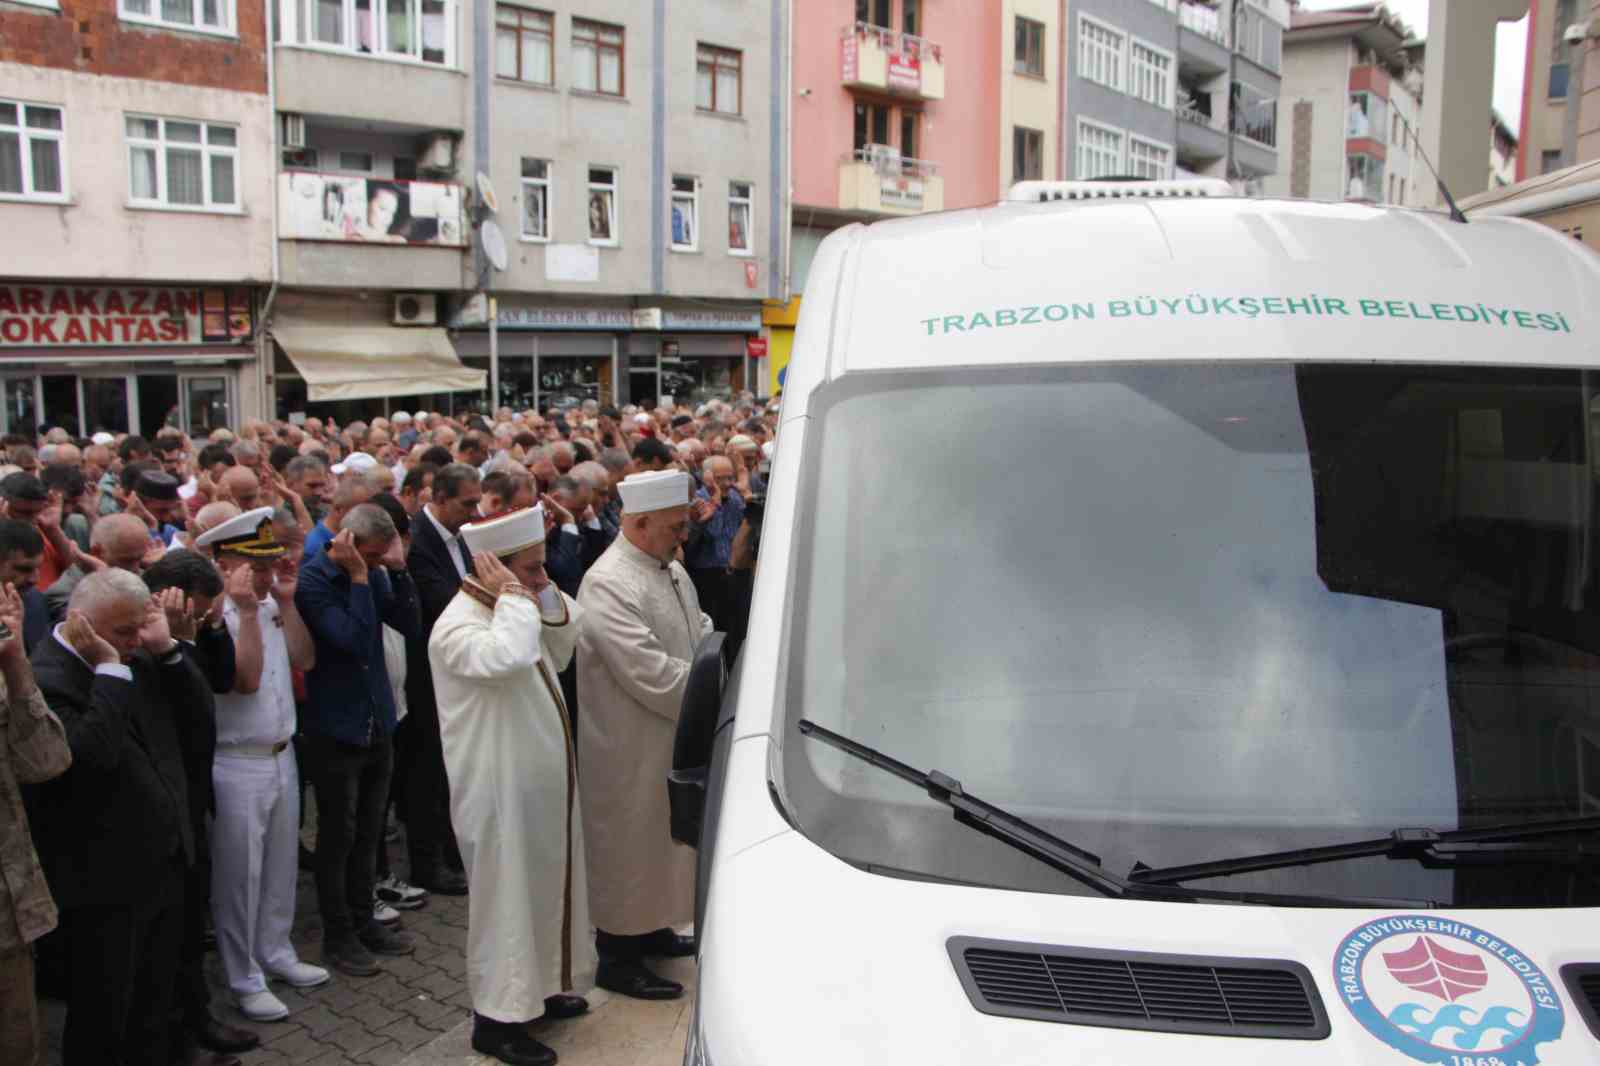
[1436,989]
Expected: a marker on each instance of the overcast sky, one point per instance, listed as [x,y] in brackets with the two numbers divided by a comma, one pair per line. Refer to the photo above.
[1510,43]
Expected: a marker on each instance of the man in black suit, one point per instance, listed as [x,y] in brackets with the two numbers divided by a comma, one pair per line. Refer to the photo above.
[438,562]
[114,833]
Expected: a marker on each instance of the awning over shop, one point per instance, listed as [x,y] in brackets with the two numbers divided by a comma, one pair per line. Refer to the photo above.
[359,362]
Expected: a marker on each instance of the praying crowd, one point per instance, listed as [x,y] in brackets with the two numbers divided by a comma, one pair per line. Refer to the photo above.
[470,635]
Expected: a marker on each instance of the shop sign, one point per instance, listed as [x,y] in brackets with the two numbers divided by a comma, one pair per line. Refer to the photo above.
[82,316]
[900,192]
[698,321]
[756,347]
[905,71]
[558,318]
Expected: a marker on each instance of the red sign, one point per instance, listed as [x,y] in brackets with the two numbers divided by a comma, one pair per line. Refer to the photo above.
[905,72]
[752,274]
[756,347]
[87,316]
[849,57]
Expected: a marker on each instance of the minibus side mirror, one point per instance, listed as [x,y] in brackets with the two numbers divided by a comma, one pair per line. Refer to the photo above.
[691,748]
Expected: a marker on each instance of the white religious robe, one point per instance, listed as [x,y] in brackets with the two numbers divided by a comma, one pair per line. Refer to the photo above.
[509,752]
[637,637]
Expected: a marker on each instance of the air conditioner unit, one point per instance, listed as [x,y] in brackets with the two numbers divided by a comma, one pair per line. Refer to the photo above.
[291,130]
[416,309]
[438,153]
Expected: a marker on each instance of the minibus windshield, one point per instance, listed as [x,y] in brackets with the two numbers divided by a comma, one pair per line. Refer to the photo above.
[1177,613]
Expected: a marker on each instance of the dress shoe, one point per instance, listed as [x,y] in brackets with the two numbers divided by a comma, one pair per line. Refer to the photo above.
[263,1007]
[216,1035]
[669,945]
[382,940]
[444,882]
[508,1042]
[563,1006]
[299,975]
[634,979]
[349,956]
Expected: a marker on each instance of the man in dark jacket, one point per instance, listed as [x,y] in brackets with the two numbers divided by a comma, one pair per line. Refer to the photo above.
[188,587]
[438,563]
[114,832]
[346,594]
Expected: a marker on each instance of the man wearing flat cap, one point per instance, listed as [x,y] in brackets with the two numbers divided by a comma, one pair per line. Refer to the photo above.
[637,637]
[156,493]
[495,653]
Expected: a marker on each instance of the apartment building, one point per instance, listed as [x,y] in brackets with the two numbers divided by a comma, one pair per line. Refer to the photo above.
[903,107]
[1168,88]
[1560,123]
[136,204]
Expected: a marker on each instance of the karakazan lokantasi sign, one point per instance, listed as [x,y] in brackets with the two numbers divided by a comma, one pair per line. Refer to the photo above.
[84,316]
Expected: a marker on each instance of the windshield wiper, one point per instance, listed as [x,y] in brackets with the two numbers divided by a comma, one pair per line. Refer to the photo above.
[1432,847]
[1075,862]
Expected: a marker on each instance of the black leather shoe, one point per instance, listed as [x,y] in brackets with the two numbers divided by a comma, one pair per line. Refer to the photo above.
[381,940]
[634,979]
[669,945]
[508,1043]
[219,1036]
[444,882]
[563,1006]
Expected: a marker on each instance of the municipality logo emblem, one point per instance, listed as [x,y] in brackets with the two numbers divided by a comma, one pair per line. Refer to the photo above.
[1446,992]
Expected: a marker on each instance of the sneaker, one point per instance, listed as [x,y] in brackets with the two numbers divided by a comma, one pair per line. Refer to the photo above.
[397,893]
[349,957]
[299,975]
[263,1007]
[382,940]
[383,913]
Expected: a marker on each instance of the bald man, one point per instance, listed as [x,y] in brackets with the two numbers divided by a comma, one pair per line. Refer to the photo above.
[243,487]
[117,542]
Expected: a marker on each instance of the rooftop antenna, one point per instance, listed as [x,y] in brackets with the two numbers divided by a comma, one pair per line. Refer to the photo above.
[1455,212]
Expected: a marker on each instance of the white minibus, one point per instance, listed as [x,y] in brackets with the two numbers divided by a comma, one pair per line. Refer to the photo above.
[1176,639]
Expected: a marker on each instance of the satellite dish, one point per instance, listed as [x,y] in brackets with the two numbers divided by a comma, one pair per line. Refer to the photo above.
[486,192]
[494,243]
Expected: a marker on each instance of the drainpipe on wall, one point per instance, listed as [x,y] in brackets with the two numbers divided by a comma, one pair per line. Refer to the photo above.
[1233,79]
[266,405]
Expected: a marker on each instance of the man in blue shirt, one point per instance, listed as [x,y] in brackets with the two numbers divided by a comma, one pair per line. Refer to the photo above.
[345,595]
[714,518]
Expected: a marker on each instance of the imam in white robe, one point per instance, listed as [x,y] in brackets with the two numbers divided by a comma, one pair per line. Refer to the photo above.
[509,751]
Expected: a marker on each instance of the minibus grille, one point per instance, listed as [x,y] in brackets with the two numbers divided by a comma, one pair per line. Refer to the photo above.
[1140,990]
[1583,982]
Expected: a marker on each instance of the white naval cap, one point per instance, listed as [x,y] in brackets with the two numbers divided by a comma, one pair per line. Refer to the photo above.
[244,534]
[654,491]
[506,534]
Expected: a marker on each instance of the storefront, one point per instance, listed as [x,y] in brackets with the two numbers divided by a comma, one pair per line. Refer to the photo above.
[560,355]
[125,358]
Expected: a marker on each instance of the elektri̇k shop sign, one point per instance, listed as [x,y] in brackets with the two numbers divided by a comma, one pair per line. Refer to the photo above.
[50,316]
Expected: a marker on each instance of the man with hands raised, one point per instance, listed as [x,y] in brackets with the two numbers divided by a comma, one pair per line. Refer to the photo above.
[346,594]
[114,832]
[256,833]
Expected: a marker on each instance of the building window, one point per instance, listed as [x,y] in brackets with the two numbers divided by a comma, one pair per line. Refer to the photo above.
[873,12]
[741,217]
[1099,150]
[685,214]
[524,45]
[32,152]
[1030,47]
[1027,154]
[1560,77]
[871,126]
[1147,159]
[1260,39]
[398,29]
[603,226]
[360,162]
[1255,114]
[1367,116]
[536,199]
[597,50]
[1560,50]
[1549,160]
[209,16]
[911,17]
[1100,53]
[718,83]
[1365,178]
[178,163]
[1150,74]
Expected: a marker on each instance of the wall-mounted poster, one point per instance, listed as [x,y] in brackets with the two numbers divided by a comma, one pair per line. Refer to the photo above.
[330,207]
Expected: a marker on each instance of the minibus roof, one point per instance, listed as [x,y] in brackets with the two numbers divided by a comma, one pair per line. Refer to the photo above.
[1211,278]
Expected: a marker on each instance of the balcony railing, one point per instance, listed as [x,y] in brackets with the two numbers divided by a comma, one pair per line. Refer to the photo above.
[873,57]
[1204,20]
[1191,113]
[872,179]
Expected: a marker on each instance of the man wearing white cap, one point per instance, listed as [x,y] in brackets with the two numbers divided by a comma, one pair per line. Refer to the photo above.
[255,837]
[636,641]
[509,749]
